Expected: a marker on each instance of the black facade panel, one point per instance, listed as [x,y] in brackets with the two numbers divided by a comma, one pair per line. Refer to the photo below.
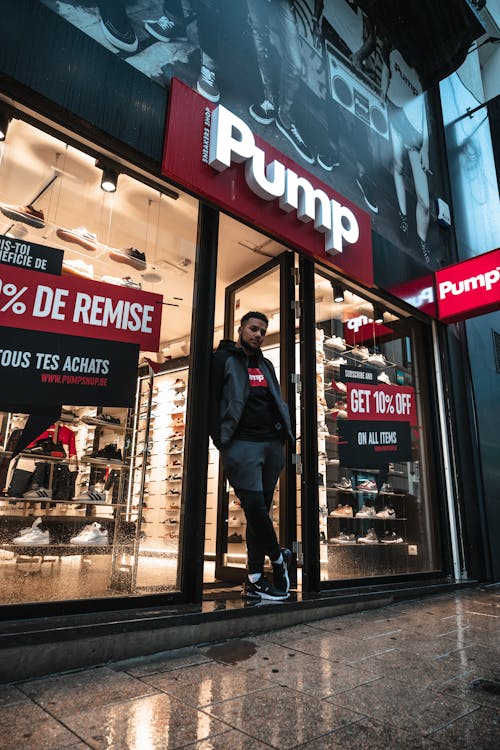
[52,57]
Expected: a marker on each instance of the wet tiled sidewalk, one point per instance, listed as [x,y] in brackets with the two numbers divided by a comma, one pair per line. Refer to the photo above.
[422,674]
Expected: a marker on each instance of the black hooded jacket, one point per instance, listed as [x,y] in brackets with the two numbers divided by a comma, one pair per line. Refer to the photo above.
[230,390]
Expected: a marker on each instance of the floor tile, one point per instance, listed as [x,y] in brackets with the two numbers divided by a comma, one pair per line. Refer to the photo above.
[479,730]
[9,695]
[231,740]
[80,691]
[417,710]
[294,718]
[25,726]
[367,734]
[155,722]
[341,648]
[162,662]
[205,684]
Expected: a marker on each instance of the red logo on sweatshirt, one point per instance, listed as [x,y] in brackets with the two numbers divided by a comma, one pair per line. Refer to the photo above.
[256,378]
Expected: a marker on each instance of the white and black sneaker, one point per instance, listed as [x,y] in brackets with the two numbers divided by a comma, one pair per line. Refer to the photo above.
[292,133]
[262,589]
[264,112]
[281,579]
[165,29]
[206,84]
[367,193]
[118,30]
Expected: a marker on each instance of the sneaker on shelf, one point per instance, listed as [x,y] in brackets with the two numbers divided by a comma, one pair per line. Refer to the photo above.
[390,537]
[34,537]
[79,236]
[368,193]
[339,413]
[174,478]
[172,492]
[235,505]
[165,29]
[176,435]
[235,538]
[179,384]
[174,506]
[109,454]
[33,526]
[369,538]
[179,399]
[292,133]
[335,363]
[234,521]
[343,484]
[336,342]
[360,352]
[367,486]
[342,511]
[264,112]
[383,378]
[101,419]
[127,281]
[177,462]
[343,538]
[92,496]
[388,514]
[78,268]
[67,415]
[328,159]
[262,589]
[340,387]
[386,489]
[25,214]
[377,359]
[93,535]
[367,511]
[130,256]
[176,448]
[281,579]
[117,29]
[206,85]
[39,494]
[323,430]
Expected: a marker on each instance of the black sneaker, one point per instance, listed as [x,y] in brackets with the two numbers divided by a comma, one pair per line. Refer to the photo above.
[262,589]
[328,160]
[130,256]
[366,192]
[118,30]
[291,132]
[110,453]
[263,112]
[235,538]
[165,29]
[281,579]
[403,223]
[206,84]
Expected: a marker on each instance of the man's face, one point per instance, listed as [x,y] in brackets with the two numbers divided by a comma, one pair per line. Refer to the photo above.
[252,334]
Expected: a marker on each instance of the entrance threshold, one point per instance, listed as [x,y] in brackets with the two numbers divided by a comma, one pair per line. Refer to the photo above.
[37,647]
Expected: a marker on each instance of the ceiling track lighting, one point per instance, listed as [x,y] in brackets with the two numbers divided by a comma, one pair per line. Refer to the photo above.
[109,179]
[338,293]
[5,118]
[378,314]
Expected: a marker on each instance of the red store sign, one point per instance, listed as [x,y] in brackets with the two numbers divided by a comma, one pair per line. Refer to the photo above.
[381,403]
[469,288]
[214,154]
[78,307]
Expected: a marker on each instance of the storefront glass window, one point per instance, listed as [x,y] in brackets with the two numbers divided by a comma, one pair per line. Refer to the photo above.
[375,516]
[92,507]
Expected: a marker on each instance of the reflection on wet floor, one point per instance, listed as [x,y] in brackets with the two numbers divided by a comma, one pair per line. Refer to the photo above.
[418,674]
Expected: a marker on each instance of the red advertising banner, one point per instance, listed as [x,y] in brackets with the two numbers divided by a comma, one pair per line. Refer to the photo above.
[470,288]
[79,307]
[206,147]
[381,402]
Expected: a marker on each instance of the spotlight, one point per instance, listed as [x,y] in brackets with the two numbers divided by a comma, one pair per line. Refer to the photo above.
[338,293]
[109,177]
[378,314]
[5,119]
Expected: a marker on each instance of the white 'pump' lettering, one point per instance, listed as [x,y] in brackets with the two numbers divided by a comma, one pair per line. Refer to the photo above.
[231,140]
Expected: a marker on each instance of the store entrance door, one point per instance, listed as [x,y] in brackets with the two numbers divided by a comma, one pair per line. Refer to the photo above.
[268,289]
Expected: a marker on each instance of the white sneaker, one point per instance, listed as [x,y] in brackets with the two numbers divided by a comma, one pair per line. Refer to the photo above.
[32,538]
[40,494]
[377,359]
[367,511]
[92,535]
[34,525]
[360,352]
[369,538]
[80,236]
[92,496]
[383,378]
[387,513]
[336,343]
[337,362]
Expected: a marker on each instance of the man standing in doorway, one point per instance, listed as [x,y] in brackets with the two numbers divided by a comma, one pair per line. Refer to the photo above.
[249,422]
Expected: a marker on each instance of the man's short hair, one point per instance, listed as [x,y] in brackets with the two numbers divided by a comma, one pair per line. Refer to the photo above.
[254,314]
